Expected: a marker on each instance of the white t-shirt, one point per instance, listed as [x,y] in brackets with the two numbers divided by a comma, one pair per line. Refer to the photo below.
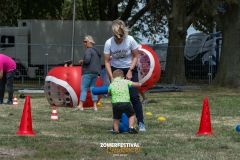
[121,55]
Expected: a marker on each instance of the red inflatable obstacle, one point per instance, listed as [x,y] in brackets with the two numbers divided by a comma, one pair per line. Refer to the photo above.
[62,87]
[149,70]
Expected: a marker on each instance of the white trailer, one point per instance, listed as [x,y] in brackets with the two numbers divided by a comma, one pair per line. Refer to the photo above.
[38,45]
[201,54]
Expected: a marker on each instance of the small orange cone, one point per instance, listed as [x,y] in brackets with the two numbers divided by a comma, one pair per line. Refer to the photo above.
[26,122]
[205,124]
[54,115]
[15,102]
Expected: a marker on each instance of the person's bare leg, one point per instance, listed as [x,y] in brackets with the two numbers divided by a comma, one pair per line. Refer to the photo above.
[80,106]
[143,95]
[144,98]
[95,105]
[132,130]
[131,121]
[116,125]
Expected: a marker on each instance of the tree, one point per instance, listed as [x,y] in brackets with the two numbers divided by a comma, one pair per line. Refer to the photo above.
[12,10]
[127,10]
[180,15]
[228,72]
[226,14]
[150,17]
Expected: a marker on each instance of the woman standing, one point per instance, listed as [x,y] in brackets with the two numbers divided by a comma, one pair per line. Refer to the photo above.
[123,50]
[91,67]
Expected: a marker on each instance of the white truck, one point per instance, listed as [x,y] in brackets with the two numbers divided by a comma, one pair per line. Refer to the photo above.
[38,45]
[201,54]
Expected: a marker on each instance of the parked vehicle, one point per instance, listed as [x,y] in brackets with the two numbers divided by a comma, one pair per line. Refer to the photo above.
[38,45]
[201,54]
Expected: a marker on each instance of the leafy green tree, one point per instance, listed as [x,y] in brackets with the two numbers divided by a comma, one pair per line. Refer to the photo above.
[12,10]
[148,17]
[129,11]
[226,14]
[179,16]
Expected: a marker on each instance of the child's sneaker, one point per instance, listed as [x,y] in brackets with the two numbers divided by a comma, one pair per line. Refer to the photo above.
[132,131]
[141,127]
[115,133]
[144,101]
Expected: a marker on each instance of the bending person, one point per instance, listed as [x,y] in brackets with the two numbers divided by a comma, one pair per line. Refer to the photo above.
[123,50]
[7,73]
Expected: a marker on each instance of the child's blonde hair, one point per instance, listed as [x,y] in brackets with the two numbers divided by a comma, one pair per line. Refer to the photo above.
[118,73]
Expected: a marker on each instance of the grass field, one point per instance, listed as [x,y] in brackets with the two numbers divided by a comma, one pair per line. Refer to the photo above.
[78,134]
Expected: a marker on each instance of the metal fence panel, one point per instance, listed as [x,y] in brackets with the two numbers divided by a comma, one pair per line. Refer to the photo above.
[31,72]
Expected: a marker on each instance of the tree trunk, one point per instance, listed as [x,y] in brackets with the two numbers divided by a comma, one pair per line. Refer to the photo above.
[229,67]
[175,70]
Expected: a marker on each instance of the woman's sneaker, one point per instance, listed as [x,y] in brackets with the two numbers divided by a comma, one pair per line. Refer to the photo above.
[132,131]
[141,127]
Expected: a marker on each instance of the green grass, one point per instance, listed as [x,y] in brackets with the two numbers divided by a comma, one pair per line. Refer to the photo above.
[78,134]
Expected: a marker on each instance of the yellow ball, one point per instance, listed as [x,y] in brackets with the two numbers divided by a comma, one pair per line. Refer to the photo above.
[99,104]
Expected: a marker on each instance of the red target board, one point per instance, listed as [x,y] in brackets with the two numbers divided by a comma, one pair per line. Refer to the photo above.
[149,70]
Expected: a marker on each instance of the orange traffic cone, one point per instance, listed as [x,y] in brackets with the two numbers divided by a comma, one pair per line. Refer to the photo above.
[26,122]
[15,102]
[54,115]
[205,124]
